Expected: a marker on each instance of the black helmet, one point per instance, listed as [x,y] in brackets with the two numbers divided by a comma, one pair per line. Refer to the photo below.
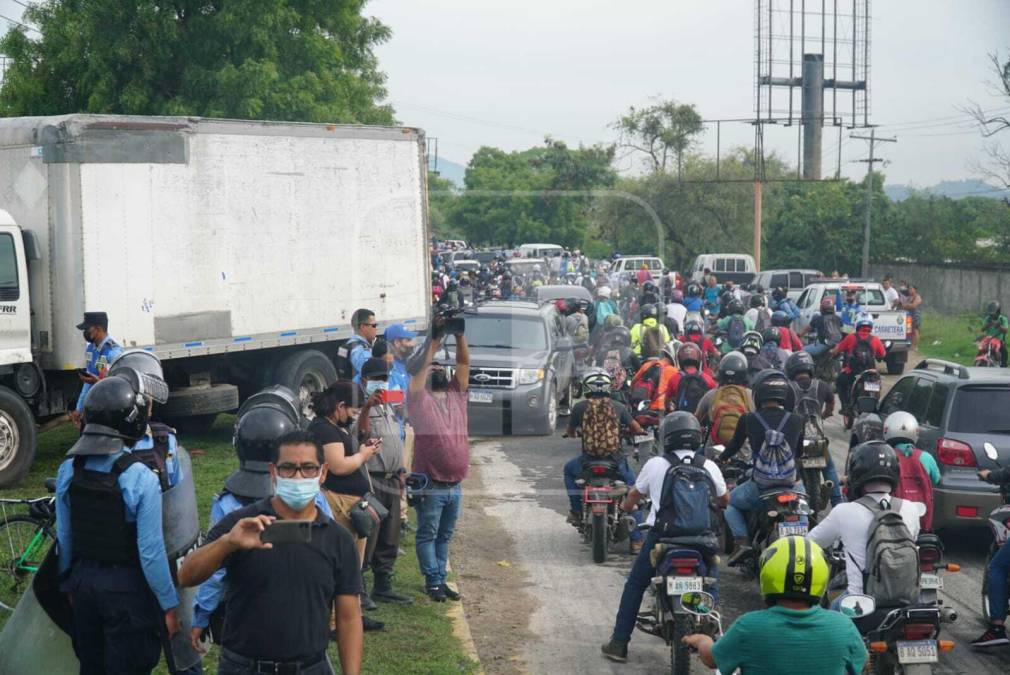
[780,318]
[779,293]
[148,367]
[694,290]
[733,369]
[693,328]
[994,309]
[735,307]
[648,312]
[680,431]
[757,300]
[620,336]
[799,362]
[115,412]
[770,385]
[773,335]
[873,461]
[648,287]
[256,436]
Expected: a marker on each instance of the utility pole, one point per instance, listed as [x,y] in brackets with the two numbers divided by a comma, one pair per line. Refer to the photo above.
[872,138]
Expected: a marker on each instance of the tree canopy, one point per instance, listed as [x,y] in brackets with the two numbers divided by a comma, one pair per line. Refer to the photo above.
[298,60]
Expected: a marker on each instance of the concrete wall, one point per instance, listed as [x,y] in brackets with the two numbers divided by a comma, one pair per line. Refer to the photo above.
[951,289]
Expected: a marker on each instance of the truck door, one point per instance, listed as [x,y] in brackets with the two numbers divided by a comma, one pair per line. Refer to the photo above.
[15,309]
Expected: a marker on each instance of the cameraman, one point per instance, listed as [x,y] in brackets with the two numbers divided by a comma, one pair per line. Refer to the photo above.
[436,406]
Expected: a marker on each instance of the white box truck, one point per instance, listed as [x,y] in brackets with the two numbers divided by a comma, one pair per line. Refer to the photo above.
[236,251]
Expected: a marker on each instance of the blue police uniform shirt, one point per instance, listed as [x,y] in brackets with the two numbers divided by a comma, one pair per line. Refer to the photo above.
[172,467]
[142,498]
[97,361]
[360,351]
[210,592]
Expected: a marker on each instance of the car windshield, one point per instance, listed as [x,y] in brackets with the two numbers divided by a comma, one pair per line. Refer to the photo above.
[981,410]
[505,332]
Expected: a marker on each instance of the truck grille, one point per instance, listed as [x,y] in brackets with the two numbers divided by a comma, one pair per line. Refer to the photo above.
[492,378]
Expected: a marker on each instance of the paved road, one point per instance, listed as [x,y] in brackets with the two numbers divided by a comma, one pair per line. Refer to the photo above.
[576,600]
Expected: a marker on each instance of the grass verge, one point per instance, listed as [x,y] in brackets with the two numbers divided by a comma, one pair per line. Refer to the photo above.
[418,638]
[947,337]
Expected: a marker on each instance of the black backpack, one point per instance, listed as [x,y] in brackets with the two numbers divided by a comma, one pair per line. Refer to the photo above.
[687,502]
[691,390]
[830,329]
[862,358]
[156,458]
[345,369]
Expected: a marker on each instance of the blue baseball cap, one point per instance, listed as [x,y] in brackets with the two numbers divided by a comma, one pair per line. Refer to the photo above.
[399,332]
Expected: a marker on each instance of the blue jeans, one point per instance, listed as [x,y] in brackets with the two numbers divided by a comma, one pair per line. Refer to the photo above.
[999,568]
[745,498]
[638,581]
[831,474]
[573,468]
[437,512]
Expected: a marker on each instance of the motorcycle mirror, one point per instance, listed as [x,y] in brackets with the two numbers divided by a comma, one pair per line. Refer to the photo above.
[698,603]
[857,605]
[990,451]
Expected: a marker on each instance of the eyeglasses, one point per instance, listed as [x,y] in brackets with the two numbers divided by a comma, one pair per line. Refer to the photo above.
[371,325]
[289,470]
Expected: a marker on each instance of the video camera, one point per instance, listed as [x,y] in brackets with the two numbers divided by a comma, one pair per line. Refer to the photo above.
[454,324]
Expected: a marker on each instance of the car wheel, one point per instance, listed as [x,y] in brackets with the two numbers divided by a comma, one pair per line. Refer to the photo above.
[550,421]
[566,409]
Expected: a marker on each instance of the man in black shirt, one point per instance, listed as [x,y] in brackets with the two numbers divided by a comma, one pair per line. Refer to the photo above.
[280,596]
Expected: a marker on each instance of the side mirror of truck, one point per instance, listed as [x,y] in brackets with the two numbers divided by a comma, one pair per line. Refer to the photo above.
[32,249]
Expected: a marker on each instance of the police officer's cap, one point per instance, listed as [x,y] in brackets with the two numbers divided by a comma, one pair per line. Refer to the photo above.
[256,436]
[100,319]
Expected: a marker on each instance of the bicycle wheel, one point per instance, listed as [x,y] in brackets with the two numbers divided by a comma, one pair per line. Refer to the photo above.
[24,543]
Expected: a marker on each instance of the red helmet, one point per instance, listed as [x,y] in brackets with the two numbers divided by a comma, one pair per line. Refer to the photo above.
[689,353]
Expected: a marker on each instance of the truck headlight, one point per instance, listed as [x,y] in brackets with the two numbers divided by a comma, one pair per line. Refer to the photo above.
[530,375]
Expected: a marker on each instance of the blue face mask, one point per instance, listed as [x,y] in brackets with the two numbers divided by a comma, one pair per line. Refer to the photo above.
[296,492]
[373,386]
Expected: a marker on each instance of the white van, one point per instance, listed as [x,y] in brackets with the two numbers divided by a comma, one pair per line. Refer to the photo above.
[736,267]
[540,250]
[632,264]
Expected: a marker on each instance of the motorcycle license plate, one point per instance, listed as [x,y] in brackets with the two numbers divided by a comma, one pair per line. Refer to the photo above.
[871,386]
[481,397]
[682,585]
[930,582]
[814,462]
[792,530]
[917,651]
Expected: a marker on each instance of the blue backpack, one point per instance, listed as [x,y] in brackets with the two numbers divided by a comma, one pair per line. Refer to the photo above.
[736,328]
[687,501]
[775,461]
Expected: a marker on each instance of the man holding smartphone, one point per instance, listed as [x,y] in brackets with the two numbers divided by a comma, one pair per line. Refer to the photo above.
[280,595]
[377,420]
[101,351]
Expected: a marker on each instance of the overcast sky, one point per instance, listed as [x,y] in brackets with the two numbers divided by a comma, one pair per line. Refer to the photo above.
[508,72]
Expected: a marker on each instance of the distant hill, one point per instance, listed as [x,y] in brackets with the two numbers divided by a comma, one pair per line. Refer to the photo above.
[955,189]
[450,170]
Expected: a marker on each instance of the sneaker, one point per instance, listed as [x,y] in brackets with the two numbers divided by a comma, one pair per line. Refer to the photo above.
[995,636]
[450,593]
[436,593]
[371,624]
[615,651]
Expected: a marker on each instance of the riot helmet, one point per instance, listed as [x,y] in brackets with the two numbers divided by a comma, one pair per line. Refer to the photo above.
[256,436]
[148,368]
[115,414]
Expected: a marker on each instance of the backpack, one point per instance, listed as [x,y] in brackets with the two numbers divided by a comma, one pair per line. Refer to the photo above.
[728,406]
[652,341]
[770,353]
[915,485]
[614,365]
[687,501]
[345,369]
[891,575]
[735,330]
[156,458]
[862,358]
[690,391]
[645,384]
[764,319]
[830,330]
[601,432]
[775,461]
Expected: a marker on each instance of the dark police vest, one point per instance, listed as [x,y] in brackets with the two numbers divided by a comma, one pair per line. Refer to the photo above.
[98,515]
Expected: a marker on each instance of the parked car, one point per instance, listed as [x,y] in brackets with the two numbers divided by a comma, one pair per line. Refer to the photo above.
[631,265]
[736,267]
[485,257]
[521,368]
[792,280]
[540,250]
[893,327]
[960,411]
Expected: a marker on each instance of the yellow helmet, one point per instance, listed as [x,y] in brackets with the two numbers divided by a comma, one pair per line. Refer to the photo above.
[793,567]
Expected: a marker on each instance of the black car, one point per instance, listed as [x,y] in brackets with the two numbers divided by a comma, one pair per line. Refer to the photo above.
[960,411]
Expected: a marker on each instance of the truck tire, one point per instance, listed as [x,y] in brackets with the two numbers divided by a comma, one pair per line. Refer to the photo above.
[306,372]
[17,438]
[194,409]
[895,366]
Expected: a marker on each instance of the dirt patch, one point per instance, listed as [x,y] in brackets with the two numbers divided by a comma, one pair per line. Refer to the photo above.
[493,584]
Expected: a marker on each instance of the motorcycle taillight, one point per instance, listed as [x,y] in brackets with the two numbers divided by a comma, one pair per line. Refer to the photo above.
[928,555]
[919,631]
[598,470]
[688,563]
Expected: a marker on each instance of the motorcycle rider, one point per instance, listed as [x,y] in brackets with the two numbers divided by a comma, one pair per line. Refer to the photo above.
[793,630]
[682,438]
[676,309]
[781,303]
[771,392]
[996,326]
[730,396]
[693,301]
[874,472]
[813,396]
[735,325]
[682,392]
[826,327]
[901,432]
[712,294]
[604,307]
[650,295]
[753,342]
[858,348]
[693,332]
[759,314]
[647,326]
[657,372]
[997,577]
[788,339]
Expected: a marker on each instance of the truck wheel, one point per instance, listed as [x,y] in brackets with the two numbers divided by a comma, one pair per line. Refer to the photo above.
[306,372]
[894,366]
[194,409]
[17,438]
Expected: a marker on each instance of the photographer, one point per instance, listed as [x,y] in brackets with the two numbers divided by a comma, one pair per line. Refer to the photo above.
[436,406]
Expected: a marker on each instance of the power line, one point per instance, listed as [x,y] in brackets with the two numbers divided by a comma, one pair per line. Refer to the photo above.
[25,5]
[18,23]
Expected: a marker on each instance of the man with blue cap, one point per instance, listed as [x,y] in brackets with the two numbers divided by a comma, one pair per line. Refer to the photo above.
[101,351]
[401,343]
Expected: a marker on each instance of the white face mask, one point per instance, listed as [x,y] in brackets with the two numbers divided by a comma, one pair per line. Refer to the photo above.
[296,492]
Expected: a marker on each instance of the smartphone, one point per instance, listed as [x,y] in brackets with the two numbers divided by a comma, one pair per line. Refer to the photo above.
[287,532]
[391,396]
[82,371]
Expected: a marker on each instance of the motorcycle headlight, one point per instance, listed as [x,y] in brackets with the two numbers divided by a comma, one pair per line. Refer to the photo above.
[530,375]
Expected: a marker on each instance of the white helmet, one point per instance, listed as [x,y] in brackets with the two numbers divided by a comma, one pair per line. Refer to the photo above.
[597,382]
[604,291]
[902,427]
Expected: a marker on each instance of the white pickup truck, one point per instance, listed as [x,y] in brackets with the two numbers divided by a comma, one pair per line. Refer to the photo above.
[893,327]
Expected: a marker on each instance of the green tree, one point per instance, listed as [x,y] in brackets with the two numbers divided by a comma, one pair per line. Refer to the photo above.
[303,60]
[443,199]
[664,131]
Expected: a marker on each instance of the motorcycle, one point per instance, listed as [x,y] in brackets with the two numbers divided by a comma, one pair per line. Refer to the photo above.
[602,491]
[784,512]
[679,588]
[865,385]
[647,444]
[813,462]
[900,640]
[999,523]
[988,355]
[931,552]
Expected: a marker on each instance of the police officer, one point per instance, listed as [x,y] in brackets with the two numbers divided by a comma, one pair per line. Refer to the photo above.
[256,434]
[101,351]
[112,557]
